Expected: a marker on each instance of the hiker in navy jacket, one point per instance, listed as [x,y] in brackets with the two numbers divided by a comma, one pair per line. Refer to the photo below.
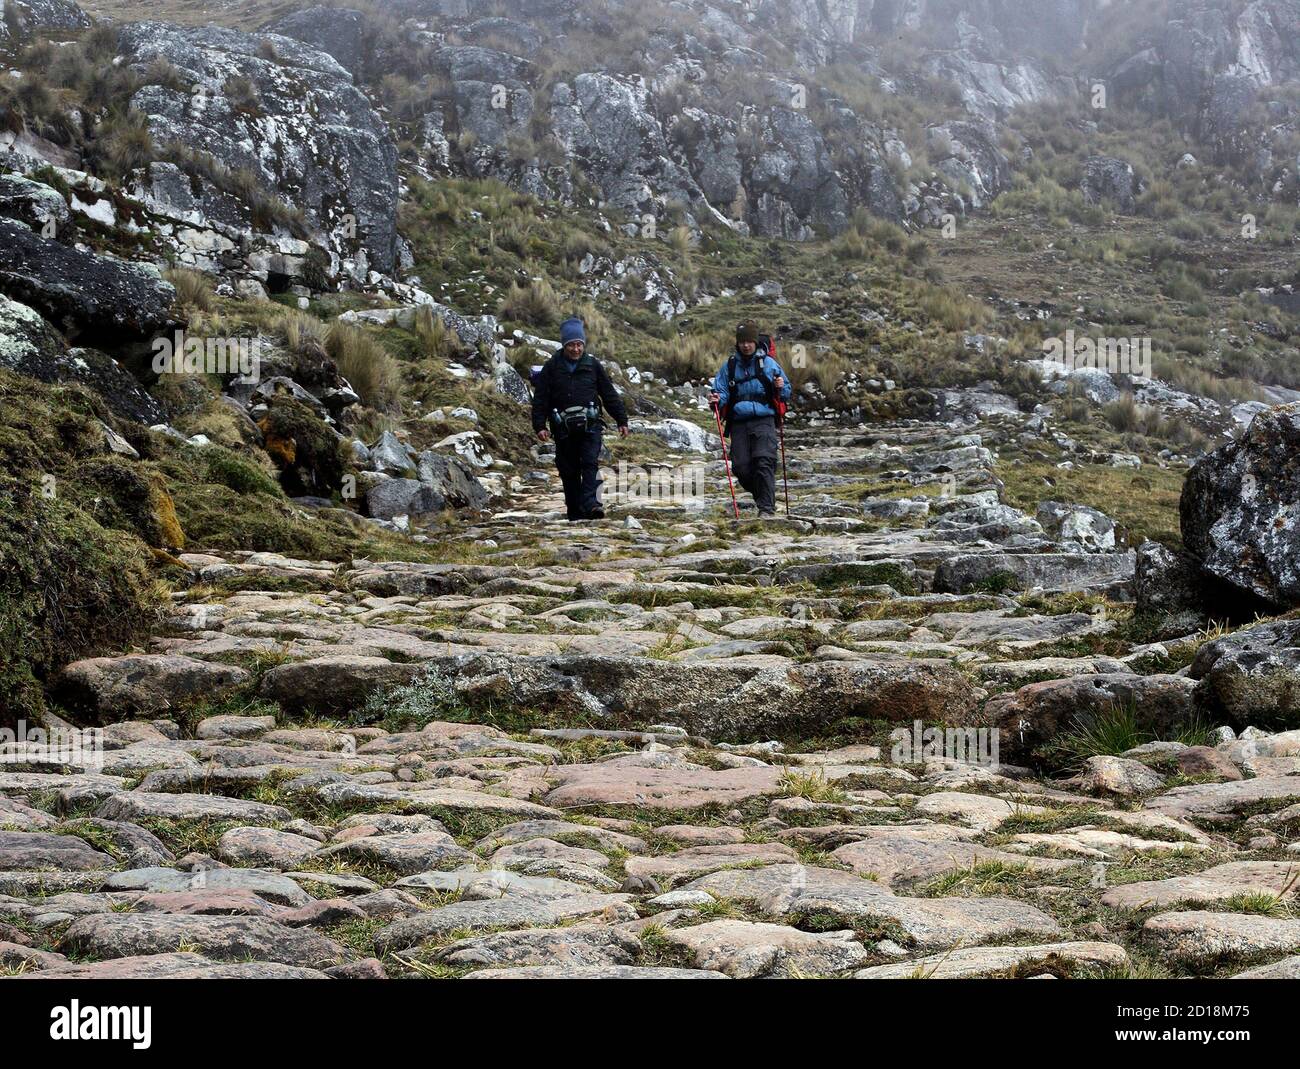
[746,389]
[570,392]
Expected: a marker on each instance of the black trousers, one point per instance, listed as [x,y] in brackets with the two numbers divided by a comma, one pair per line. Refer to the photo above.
[577,458]
[754,453]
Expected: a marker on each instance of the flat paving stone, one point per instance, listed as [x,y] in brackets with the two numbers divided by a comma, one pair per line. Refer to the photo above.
[978,962]
[1217,884]
[515,911]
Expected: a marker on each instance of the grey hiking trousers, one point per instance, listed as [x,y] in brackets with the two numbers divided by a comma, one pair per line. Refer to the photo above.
[755,450]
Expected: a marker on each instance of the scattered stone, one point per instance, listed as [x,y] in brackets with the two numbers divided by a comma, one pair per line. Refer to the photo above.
[266,847]
[594,972]
[1119,776]
[1201,937]
[408,853]
[512,912]
[134,806]
[578,945]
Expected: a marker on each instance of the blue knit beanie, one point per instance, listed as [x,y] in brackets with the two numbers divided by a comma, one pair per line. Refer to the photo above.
[572,330]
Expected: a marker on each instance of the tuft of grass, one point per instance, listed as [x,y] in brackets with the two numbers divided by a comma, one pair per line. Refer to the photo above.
[366,364]
[1118,729]
[535,304]
[193,289]
[980,878]
[1257,903]
[810,785]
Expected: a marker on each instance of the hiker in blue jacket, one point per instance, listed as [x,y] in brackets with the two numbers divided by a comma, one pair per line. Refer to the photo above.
[746,390]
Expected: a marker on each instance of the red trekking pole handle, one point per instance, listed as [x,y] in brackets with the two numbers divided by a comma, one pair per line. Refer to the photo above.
[726,459]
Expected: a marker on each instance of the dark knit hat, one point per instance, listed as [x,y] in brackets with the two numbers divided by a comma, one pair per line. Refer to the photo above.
[746,332]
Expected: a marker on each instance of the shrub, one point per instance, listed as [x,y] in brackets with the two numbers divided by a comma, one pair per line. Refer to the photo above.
[303,334]
[242,93]
[69,588]
[1124,415]
[70,585]
[692,358]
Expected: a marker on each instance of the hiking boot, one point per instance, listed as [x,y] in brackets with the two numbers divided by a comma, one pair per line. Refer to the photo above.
[597,514]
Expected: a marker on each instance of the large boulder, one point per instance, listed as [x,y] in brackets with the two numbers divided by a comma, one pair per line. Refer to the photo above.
[1027,571]
[81,293]
[335,684]
[1240,510]
[289,114]
[452,481]
[720,699]
[1039,713]
[1085,527]
[142,684]
[343,33]
[445,482]
[1252,675]
[1111,181]
[681,435]
[1166,582]
[39,206]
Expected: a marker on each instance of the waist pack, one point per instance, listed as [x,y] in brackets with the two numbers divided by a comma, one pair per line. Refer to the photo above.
[581,419]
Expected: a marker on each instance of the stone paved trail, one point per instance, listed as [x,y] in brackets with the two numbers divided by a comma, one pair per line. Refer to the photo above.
[644,748]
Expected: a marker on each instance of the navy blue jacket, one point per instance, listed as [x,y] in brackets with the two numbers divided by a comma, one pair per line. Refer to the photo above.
[562,386]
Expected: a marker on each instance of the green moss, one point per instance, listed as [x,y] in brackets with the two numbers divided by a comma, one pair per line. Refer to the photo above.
[68,588]
[871,575]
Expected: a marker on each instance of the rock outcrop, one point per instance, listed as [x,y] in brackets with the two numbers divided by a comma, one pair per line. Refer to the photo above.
[81,293]
[1240,511]
[22,18]
[291,116]
[1252,675]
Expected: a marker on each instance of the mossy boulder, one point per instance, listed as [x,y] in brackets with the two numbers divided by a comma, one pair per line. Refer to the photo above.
[308,453]
[68,587]
[30,346]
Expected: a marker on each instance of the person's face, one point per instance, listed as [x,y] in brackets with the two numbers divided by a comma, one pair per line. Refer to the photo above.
[575,349]
[748,348]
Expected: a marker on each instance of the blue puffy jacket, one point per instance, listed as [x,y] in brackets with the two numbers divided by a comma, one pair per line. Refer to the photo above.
[751,397]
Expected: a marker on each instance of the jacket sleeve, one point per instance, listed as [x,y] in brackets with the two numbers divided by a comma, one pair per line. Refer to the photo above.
[609,396]
[774,369]
[542,399]
[721,386]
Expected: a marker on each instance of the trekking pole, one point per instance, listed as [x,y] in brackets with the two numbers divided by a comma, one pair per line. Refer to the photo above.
[726,460]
